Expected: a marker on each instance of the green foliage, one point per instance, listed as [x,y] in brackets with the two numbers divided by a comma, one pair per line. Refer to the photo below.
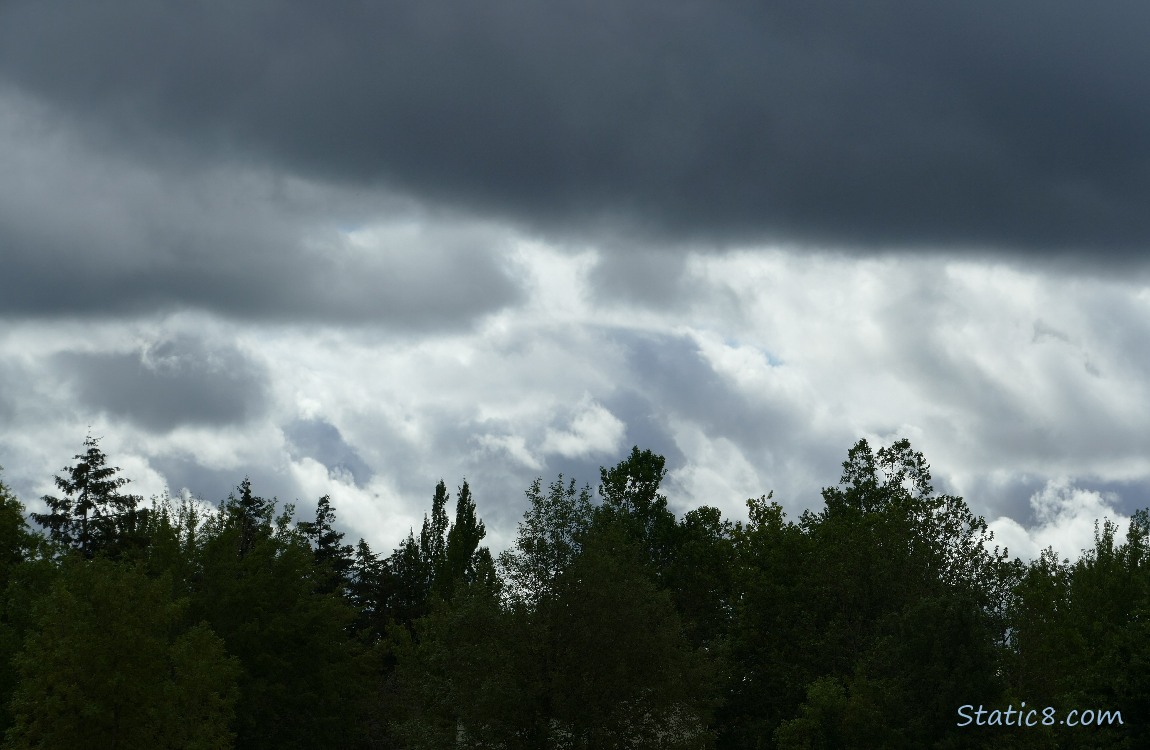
[1080,635]
[304,676]
[773,648]
[111,663]
[888,596]
[549,539]
[463,559]
[17,542]
[701,575]
[331,554]
[369,587]
[621,673]
[248,516]
[632,501]
[22,570]
[866,624]
[433,538]
[598,663]
[464,679]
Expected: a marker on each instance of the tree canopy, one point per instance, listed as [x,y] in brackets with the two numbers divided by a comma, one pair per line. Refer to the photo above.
[608,622]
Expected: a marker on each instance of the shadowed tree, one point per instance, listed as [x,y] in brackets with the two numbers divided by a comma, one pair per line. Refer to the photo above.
[112,664]
[587,653]
[464,560]
[631,499]
[327,544]
[549,539]
[903,604]
[304,673]
[23,574]
[249,515]
[433,536]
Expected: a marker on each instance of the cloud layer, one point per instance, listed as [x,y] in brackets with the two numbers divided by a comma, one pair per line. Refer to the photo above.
[1016,387]
[357,249]
[1015,126]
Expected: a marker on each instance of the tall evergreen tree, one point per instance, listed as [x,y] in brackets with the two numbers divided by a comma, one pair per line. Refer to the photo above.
[249,515]
[372,592]
[331,555]
[93,516]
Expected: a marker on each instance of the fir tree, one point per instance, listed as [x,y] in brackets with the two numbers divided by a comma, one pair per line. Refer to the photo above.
[331,555]
[92,516]
[250,515]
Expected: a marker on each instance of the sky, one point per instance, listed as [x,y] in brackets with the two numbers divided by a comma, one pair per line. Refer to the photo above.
[354,248]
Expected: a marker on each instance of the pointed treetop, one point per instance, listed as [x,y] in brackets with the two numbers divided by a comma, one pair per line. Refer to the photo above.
[93,516]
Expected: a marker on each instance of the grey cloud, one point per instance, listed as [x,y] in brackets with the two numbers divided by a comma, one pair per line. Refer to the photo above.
[670,379]
[1011,497]
[213,485]
[88,233]
[671,371]
[646,426]
[175,382]
[1131,495]
[1043,330]
[322,441]
[981,124]
[11,384]
[647,278]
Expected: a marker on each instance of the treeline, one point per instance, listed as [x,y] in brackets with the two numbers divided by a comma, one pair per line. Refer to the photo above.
[610,623]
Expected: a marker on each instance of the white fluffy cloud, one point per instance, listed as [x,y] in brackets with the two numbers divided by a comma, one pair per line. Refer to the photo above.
[592,431]
[759,378]
[1065,519]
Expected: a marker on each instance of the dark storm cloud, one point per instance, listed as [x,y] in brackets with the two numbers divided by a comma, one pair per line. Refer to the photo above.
[983,124]
[87,234]
[176,382]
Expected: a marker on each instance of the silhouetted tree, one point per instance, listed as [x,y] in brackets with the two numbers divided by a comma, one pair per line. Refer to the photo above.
[331,554]
[93,516]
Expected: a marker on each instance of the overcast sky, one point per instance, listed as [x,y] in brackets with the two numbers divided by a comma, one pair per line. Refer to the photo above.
[352,248]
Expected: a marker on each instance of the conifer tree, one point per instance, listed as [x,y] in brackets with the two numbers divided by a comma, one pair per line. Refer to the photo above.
[93,515]
[249,514]
[333,557]
[369,591]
